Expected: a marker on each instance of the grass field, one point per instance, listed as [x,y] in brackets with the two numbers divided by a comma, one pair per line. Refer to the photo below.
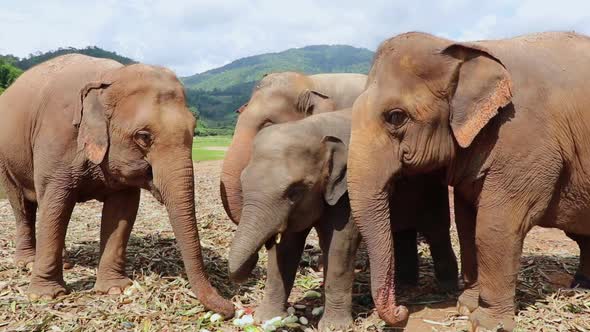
[210,147]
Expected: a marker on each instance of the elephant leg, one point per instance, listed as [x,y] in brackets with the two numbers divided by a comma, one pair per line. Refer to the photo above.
[406,257]
[582,277]
[118,215]
[339,240]
[499,247]
[465,220]
[446,271]
[25,214]
[283,260]
[55,210]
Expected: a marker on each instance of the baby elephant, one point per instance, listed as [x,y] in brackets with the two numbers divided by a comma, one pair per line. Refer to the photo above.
[296,180]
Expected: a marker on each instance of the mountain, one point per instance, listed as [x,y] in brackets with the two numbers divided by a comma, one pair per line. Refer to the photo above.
[310,60]
[218,92]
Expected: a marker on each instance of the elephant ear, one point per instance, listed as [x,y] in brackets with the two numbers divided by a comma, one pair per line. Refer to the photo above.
[91,120]
[336,155]
[312,102]
[482,86]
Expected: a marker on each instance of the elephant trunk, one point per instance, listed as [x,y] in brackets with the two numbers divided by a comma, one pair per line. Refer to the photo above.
[369,187]
[236,159]
[174,182]
[258,226]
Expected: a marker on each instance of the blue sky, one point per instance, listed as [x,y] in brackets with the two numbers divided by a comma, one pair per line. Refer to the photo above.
[191,36]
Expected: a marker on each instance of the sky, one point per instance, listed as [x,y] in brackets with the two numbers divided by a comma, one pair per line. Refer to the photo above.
[192,36]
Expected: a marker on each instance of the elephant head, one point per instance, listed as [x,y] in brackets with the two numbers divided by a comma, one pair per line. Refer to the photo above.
[134,125]
[279,98]
[426,101]
[291,177]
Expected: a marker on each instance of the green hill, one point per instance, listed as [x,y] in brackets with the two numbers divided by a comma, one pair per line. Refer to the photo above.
[218,92]
[310,59]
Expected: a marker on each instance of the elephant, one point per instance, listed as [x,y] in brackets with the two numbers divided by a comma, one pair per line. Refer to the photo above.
[277,98]
[77,128]
[296,180]
[506,123]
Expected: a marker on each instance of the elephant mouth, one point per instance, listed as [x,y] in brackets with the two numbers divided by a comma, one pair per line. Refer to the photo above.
[275,239]
[155,192]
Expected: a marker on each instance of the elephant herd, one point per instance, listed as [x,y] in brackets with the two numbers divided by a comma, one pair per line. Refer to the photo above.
[506,123]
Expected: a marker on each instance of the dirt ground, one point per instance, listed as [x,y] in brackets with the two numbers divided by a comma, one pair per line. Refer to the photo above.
[160,299]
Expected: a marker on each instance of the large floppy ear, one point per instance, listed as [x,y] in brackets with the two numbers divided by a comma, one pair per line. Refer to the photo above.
[91,120]
[336,154]
[482,86]
[312,102]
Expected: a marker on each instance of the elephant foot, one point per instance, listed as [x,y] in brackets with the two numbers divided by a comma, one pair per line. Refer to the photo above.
[580,281]
[112,286]
[468,302]
[46,290]
[24,259]
[482,321]
[267,311]
[336,322]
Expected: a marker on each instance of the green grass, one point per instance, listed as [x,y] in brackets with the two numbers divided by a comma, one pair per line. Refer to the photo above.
[202,147]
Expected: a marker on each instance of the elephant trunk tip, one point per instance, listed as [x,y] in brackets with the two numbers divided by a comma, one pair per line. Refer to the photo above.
[239,271]
[215,302]
[393,314]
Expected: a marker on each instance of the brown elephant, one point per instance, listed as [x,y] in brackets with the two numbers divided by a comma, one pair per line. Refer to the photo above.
[77,128]
[507,123]
[278,98]
[296,180]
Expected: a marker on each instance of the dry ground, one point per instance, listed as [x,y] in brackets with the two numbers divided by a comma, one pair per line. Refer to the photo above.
[160,299]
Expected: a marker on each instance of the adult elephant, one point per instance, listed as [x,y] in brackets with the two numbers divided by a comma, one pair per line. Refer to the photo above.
[278,98]
[507,123]
[77,128]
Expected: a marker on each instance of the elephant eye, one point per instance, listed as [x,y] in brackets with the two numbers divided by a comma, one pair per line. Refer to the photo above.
[143,138]
[396,117]
[295,192]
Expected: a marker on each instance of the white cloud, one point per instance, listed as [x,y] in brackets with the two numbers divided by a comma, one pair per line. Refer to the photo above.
[192,36]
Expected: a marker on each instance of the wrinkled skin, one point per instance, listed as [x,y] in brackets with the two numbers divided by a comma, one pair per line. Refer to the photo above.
[507,123]
[296,180]
[77,128]
[279,98]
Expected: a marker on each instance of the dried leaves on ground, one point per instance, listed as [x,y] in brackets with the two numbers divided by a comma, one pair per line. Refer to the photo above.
[160,298]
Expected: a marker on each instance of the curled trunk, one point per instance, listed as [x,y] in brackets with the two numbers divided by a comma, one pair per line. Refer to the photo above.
[236,159]
[369,172]
[175,182]
[258,226]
